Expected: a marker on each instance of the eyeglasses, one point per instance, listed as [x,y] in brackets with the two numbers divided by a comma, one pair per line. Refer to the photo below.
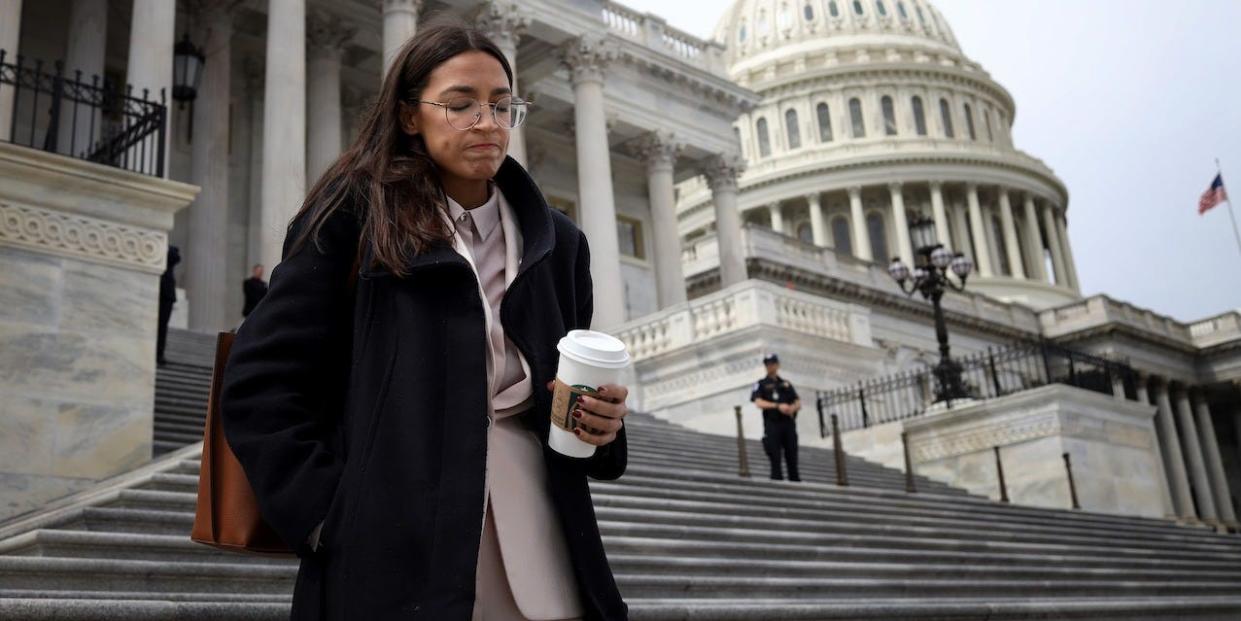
[464,113]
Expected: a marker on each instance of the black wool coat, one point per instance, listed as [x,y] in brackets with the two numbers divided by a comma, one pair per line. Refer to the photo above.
[366,409]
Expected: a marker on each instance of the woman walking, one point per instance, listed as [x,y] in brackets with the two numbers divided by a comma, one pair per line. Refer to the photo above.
[389,397]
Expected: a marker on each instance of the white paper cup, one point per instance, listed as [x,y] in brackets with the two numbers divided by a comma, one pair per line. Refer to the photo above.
[588,360]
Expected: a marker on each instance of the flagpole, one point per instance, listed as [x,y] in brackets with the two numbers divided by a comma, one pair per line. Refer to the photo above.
[1219,171]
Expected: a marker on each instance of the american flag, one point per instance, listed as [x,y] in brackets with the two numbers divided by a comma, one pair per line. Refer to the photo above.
[1213,196]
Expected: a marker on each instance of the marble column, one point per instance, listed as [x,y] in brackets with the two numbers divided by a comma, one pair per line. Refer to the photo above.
[284,123]
[1161,462]
[252,69]
[151,33]
[722,173]
[85,52]
[1178,479]
[1118,387]
[978,230]
[400,23]
[777,217]
[818,224]
[1193,456]
[326,36]
[1069,266]
[10,34]
[505,22]
[861,238]
[587,58]
[1034,240]
[1214,463]
[942,233]
[899,220]
[961,230]
[660,150]
[205,266]
[1011,246]
[1053,244]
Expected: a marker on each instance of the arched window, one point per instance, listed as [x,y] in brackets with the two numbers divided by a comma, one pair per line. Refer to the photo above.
[741,33]
[945,114]
[764,140]
[792,129]
[857,7]
[840,235]
[784,19]
[1001,247]
[808,12]
[986,117]
[855,115]
[900,8]
[737,135]
[761,25]
[805,233]
[919,115]
[825,122]
[889,115]
[969,122]
[883,10]
[832,10]
[878,240]
[921,18]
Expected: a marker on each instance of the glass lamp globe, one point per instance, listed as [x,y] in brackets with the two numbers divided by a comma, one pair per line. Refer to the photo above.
[962,265]
[941,257]
[898,270]
[919,274]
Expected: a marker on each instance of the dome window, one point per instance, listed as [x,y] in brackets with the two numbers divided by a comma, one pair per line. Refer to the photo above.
[919,115]
[857,7]
[805,233]
[921,18]
[986,119]
[764,140]
[741,33]
[945,114]
[883,10]
[900,8]
[832,9]
[761,26]
[889,115]
[785,18]
[825,122]
[840,235]
[807,11]
[969,122]
[855,115]
[792,128]
[878,240]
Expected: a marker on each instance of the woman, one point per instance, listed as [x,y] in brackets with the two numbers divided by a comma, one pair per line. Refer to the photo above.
[389,397]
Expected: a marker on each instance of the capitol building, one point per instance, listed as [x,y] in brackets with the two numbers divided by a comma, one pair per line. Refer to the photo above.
[742,194]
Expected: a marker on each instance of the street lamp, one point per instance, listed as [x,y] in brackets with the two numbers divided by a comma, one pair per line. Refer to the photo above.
[187,70]
[930,277]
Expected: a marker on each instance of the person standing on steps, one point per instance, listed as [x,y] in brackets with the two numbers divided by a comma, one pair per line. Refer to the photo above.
[254,289]
[778,400]
[167,298]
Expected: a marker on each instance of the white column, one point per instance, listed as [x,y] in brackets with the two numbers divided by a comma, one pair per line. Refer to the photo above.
[1193,456]
[205,266]
[1178,479]
[777,217]
[942,233]
[961,230]
[1034,241]
[252,68]
[151,34]
[88,30]
[326,38]
[722,173]
[818,224]
[978,230]
[10,34]
[1065,247]
[505,22]
[400,23]
[1011,246]
[901,222]
[660,151]
[1165,486]
[861,239]
[587,57]
[284,123]
[1053,244]
[1215,465]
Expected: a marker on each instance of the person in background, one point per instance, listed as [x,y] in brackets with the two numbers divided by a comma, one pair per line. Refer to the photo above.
[167,298]
[778,400]
[255,288]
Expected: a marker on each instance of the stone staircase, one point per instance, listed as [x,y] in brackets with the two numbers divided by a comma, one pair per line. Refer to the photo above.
[687,539]
[181,390]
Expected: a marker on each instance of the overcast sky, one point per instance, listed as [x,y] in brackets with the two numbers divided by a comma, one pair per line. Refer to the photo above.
[1130,102]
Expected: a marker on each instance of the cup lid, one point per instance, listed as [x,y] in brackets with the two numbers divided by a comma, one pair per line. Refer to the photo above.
[594,348]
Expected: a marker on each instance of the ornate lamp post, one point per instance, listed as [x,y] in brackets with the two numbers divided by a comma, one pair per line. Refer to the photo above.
[930,277]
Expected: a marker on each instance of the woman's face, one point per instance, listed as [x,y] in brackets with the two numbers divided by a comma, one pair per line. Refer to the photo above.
[474,154]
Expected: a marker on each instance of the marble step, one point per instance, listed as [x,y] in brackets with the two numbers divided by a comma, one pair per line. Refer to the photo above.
[61,606]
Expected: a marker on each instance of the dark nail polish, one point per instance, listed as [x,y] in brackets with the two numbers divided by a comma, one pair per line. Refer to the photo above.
[577,413]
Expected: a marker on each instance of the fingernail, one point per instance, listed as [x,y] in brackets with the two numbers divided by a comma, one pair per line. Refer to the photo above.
[577,413]
[577,432]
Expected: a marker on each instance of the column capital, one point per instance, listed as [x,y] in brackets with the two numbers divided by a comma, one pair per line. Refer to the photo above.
[971,187]
[813,199]
[855,192]
[722,172]
[895,186]
[658,148]
[326,35]
[588,56]
[401,6]
[503,21]
[937,185]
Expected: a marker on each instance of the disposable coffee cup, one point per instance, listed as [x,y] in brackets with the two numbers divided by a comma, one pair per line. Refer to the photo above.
[588,360]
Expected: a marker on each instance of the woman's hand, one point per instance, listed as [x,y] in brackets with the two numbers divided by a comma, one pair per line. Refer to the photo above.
[600,418]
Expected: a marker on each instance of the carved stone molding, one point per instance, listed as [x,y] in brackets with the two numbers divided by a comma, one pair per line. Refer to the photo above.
[405,6]
[1004,432]
[326,35]
[82,237]
[722,171]
[588,56]
[659,149]
[505,22]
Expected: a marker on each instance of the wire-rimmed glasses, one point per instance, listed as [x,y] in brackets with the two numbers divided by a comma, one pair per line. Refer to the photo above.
[464,113]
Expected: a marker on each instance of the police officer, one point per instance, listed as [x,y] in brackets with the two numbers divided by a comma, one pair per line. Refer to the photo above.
[780,404]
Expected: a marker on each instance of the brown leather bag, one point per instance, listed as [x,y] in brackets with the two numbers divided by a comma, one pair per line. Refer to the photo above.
[228,513]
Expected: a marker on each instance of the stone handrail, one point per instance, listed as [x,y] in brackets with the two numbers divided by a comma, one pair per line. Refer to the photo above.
[1100,310]
[653,32]
[1215,330]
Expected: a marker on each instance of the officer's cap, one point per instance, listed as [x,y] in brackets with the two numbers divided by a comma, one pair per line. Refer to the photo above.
[771,358]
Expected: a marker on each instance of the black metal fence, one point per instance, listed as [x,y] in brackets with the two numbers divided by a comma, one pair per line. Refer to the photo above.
[986,375]
[91,119]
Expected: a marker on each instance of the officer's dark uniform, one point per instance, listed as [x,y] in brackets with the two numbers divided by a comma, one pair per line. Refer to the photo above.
[779,430]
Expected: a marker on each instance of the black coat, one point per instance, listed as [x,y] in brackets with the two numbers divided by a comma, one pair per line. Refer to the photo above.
[254,290]
[367,410]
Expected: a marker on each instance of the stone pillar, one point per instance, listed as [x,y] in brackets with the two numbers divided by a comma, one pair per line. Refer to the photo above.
[1012,248]
[88,30]
[10,34]
[284,123]
[818,224]
[1118,387]
[253,70]
[942,233]
[1177,478]
[205,265]
[1034,241]
[326,38]
[1053,244]
[587,57]
[400,23]
[505,22]
[660,152]
[151,34]
[1215,465]
[978,230]
[722,173]
[962,230]
[1069,266]
[1162,463]
[777,217]
[903,247]
[861,237]
[1193,456]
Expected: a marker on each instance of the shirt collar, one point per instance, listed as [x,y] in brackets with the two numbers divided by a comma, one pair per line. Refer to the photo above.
[486,216]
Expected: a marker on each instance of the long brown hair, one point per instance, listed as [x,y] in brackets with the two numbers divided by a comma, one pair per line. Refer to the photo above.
[387,174]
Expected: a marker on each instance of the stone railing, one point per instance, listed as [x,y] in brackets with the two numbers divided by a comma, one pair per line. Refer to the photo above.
[653,32]
[748,304]
[1216,330]
[1100,310]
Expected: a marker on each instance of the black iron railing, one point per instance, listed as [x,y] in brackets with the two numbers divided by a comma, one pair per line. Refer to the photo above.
[986,375]
[91,119]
